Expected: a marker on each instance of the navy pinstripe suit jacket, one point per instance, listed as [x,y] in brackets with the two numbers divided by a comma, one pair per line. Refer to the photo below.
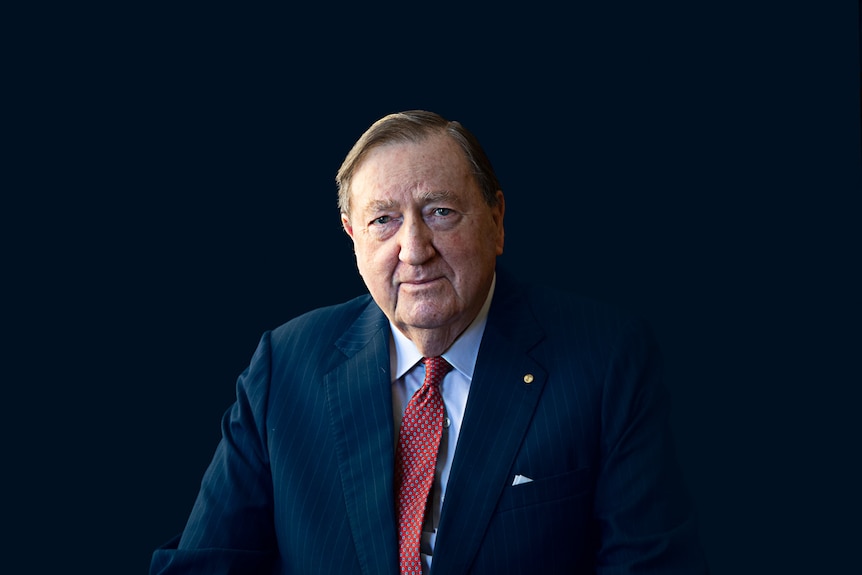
[302,481]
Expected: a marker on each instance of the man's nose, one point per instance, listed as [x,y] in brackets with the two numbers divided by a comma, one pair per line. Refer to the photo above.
[416,240]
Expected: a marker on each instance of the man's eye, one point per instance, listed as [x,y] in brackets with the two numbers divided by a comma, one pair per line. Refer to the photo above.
[381,220]
[442,211]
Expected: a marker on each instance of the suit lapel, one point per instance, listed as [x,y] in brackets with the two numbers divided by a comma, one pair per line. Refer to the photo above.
[359,395]
[499,410]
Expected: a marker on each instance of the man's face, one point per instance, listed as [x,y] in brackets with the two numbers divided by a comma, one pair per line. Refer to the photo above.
[426,242]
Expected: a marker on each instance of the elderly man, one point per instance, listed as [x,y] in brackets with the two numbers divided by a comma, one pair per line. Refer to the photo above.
[454,421]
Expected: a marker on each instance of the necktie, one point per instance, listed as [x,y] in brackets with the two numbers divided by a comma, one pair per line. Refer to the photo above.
[415,459]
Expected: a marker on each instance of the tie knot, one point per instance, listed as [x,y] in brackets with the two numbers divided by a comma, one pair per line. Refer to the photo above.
[435,369]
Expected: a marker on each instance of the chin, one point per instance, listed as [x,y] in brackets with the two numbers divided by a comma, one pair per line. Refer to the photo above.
[427,318]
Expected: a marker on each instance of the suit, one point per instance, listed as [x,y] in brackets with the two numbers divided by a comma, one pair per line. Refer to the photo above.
[566,392]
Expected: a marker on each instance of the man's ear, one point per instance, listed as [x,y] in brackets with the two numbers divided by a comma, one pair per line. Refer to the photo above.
[345,223]
[497,213]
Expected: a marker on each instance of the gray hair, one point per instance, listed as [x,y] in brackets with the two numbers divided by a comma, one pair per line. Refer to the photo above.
[415,126]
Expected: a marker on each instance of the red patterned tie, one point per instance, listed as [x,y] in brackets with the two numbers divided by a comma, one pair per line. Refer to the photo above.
[415,460]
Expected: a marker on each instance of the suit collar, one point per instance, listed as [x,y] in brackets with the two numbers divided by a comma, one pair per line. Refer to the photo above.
[363,330]
[359,396]
[499,410]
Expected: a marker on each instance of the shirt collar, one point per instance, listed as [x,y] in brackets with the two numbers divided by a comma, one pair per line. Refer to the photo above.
[403,355]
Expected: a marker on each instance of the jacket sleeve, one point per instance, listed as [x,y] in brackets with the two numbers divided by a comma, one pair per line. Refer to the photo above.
[230,528]
[645,520]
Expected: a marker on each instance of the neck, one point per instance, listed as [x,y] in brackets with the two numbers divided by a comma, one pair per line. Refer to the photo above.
[431,342]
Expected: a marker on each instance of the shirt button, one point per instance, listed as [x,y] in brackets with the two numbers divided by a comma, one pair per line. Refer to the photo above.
[446,422]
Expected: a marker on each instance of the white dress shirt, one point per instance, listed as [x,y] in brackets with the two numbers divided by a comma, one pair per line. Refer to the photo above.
[408,375]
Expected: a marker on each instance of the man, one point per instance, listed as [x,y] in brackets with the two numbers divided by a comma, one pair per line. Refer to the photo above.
[537,443]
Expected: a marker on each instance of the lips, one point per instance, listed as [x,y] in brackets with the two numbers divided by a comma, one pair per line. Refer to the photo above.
[419,281]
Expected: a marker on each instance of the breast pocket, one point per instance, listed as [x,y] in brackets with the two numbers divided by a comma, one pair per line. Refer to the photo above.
[568,485]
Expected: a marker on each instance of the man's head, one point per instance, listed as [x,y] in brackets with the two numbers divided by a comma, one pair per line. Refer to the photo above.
[423,207]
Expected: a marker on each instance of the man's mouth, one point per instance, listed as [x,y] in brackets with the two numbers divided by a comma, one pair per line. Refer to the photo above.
[419,281]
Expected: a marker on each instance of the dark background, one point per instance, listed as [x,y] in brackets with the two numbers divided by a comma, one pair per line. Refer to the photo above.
[170,196]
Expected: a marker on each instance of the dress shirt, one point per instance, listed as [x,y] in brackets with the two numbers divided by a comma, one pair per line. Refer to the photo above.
[408,375]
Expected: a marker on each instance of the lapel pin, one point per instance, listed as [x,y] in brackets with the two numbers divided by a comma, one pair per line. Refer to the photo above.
[528,378]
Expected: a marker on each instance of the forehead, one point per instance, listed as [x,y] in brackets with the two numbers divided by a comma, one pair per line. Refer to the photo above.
[434,164]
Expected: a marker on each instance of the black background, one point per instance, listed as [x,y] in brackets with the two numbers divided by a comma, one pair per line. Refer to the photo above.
[171,196]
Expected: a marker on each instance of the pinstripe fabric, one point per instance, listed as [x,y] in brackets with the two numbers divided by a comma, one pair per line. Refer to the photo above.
[310,437]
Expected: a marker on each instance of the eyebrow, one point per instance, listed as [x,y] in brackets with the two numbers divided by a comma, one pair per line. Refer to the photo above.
[380,205]
[425,197]
[437,196]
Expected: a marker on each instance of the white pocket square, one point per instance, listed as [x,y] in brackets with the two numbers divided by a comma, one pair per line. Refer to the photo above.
[521,479]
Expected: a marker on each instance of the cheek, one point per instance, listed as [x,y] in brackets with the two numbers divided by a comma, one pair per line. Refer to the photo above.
[469,252]
[365,264]
[373,260]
